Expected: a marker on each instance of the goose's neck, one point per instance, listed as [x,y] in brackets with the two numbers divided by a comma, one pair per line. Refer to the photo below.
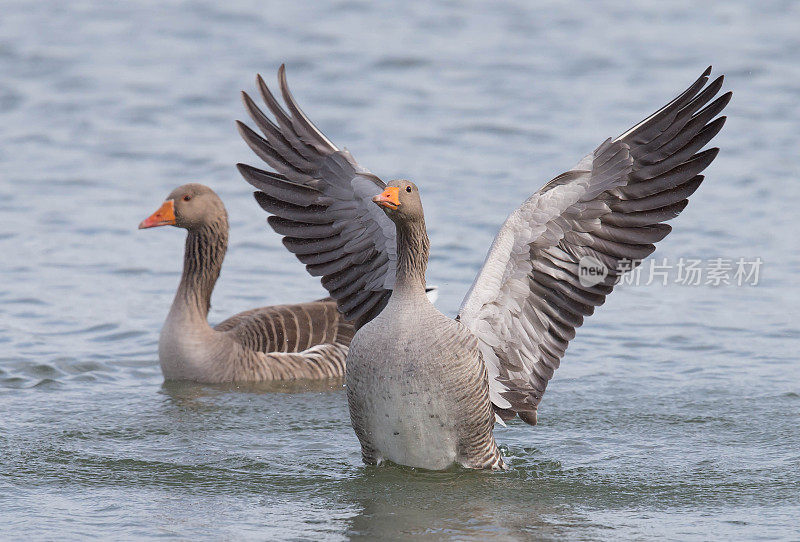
[202,262]
[412,256]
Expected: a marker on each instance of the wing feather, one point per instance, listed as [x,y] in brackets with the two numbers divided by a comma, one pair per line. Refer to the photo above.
[320,201]
[528,298]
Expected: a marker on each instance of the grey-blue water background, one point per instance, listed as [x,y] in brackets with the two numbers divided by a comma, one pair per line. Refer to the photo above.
[675,412]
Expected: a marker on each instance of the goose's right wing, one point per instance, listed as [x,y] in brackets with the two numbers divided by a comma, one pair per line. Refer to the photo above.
[321,202]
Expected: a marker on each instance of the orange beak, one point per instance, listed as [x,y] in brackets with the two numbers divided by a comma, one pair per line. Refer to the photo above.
[389,198]
[165,216]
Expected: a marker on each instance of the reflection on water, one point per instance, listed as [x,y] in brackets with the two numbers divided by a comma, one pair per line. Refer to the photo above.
[674,414]
[182,392]
[435,505]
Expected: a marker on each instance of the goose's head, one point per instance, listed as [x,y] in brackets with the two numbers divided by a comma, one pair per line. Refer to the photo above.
[190,206]
[400,201]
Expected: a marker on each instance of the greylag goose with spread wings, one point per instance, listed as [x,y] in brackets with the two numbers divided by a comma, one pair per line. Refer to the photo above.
[425,390]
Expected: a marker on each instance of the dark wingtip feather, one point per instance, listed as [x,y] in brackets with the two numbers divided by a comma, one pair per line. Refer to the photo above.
[261,84]
[715,107]
[705,158]
[707,93]
[677,103]
[249,104]
[248,169]
[272,103]
[692,186]
[528,416]
[242,129]
[262,200]
[322,142]
[271,220]
[712,128]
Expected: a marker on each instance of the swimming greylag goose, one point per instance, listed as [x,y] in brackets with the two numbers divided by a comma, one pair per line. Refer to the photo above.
[283,342]
[425,390]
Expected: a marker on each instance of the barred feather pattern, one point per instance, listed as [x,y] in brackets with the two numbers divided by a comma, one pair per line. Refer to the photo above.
[289,328]
[320,361]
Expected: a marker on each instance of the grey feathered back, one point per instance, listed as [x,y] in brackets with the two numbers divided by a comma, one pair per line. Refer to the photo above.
[289,328]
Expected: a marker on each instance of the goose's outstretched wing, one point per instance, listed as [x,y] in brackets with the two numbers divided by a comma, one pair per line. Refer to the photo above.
[321,202]
[529,298]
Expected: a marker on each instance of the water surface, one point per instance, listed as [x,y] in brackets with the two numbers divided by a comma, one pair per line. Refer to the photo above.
[675,413]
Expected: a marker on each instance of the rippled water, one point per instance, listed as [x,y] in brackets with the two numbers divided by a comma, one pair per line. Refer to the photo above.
[675,413]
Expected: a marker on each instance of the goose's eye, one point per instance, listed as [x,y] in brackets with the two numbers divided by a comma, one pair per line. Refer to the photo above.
[408,189]
[187,197]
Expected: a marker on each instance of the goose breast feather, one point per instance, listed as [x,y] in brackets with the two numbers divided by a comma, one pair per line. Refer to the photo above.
[418,393]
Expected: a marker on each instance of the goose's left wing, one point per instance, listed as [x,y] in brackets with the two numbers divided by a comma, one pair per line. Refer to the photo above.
[529,297]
